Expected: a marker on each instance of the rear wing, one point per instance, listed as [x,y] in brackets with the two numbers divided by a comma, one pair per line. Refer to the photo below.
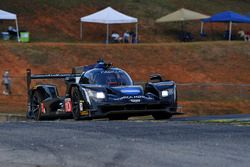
[31,76]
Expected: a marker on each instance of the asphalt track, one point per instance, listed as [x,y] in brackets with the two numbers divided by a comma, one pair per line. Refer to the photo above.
[134,143]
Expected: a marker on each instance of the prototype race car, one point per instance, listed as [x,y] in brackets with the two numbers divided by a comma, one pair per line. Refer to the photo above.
[101,90]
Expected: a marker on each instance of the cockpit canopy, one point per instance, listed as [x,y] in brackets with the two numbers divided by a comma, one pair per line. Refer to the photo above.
[108,77]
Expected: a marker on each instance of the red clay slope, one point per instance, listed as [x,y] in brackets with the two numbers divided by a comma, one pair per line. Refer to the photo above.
[223,62]
[219,62]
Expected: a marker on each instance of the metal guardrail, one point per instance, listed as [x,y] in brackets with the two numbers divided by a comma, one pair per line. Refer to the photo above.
[214,91]
[197,96]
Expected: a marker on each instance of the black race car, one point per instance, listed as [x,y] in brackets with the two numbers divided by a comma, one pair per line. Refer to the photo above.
[101,90]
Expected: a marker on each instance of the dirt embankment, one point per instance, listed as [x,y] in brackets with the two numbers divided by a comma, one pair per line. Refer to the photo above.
[185,62]
[219,62]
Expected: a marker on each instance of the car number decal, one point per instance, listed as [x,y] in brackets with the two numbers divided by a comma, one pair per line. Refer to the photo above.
[68,105]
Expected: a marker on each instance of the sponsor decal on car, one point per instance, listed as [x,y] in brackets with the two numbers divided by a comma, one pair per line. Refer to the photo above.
[84,113]
[130,97]
[81,106]
[68,105]
[43,108]
[130,91]
[135,100]
[110,71]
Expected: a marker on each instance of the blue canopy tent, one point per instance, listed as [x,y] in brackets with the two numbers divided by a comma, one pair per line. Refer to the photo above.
[227,17]
[248,14]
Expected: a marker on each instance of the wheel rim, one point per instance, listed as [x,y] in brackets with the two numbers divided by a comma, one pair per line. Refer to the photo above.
[75,107]
[35,106]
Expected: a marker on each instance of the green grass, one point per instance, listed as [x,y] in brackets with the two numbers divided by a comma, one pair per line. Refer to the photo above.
[226,121]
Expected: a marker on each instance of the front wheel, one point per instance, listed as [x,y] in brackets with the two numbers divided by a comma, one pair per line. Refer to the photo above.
[161,116]
[76,97]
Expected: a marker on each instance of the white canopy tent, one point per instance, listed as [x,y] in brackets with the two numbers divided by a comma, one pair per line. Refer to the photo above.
[108,16]
[10,16]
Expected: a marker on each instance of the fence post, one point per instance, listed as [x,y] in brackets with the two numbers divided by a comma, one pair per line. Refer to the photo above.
[241,92]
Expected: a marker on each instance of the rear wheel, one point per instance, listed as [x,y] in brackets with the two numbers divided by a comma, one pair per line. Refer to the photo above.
[36,105]
[161,116]
[75,95]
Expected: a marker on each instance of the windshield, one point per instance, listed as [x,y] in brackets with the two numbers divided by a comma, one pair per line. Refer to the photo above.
[108,77]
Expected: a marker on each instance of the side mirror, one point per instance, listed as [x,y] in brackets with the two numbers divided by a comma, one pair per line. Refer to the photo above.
[155,78]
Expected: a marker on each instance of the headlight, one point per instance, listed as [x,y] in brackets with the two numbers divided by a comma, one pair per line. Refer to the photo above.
[95,94]
[164,93]
[100,95]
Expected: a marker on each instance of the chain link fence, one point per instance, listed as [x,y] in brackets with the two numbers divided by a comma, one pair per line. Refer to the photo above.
[187,92]
[213,92]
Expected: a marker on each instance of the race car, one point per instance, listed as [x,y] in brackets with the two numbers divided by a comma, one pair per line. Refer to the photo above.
[101,91]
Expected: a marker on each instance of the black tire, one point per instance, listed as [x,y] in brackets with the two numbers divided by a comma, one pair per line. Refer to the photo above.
[161,116]
[76,97]
[36,106]
[118,117]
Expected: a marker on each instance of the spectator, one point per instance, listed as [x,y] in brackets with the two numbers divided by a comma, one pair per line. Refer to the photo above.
[226,35]
[126,37]
[6,82]
[133,37]
[12,31]
[115,37]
